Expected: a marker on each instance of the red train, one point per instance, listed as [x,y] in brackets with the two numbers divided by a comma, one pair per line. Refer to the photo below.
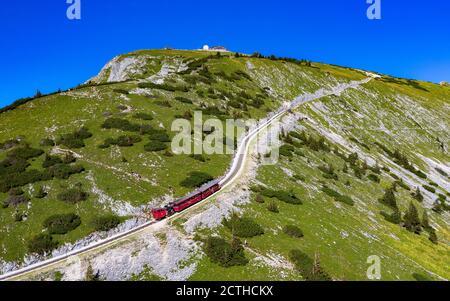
[186,202]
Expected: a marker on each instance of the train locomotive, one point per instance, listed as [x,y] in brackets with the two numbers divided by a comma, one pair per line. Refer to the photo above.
[186,202]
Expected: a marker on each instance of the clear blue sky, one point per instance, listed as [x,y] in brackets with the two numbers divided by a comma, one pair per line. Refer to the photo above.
[41,49]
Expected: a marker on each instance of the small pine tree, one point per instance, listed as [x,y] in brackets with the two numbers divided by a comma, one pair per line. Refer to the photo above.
[90,275]
[38,94]
[418,195]
[433,237]
[411,220]
[345,168]
[389,198]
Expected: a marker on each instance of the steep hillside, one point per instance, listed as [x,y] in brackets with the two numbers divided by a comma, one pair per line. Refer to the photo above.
[345,187]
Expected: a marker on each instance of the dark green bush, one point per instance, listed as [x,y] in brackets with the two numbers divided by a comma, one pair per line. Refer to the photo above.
[121,124]
[310,269]
[73,196]
[105,223]
[123,141]
[293,231]
[374,178]
[337,196]
[160,136]
[75,139]
[155,146]
[143,116]
[47,142]
[166,87]
[429,188]
[223,253]
[24,178]
[284,196]
[41,244]
[62,223]
[64,171]
[287,150]
[243,226]
[196,179]
[25,153]
[121,91]
[51,160]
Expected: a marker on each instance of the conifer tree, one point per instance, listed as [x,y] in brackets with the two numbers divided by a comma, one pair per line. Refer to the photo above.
[411,220]
[418,195]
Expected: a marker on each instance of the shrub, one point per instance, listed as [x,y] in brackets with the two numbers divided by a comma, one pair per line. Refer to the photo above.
[223,253]
[121,91]
[243,226]
[196,179]
[374,178]
[155,146]
[273,207]
[412,221]
[51,160]
[47,142]
[21,179]
[143,116]
[15,200]
[389,199]
[337,196]
[75,139]
[41,244]
[62,223]
[287,150]
[73,196]
[105,223]
[64,171]
[123,141]
[160,136]
[395,217]
[287,197]
[303,263]
[40,193]
[429,188]
[417,195]
[24,153]
[293,231]
[166,87]
[309,269]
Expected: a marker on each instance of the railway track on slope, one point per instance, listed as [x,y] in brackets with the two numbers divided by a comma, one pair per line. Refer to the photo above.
[232,174]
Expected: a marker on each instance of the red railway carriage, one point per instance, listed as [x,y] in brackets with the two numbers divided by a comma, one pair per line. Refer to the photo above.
[190,200]
[210,191]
